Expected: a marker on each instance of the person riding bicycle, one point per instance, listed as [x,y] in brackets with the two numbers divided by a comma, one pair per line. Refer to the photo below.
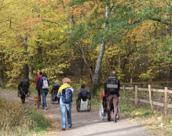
[112,88]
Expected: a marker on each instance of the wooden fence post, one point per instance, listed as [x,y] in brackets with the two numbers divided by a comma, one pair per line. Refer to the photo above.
[165,101]
[150,96]
[136,94]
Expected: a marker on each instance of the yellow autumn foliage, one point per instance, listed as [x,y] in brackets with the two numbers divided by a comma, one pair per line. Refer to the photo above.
[141,32]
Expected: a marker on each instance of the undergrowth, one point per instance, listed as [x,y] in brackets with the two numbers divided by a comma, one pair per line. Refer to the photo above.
[17,120]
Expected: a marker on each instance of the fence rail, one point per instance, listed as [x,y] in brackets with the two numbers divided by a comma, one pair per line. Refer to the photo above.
[150,91]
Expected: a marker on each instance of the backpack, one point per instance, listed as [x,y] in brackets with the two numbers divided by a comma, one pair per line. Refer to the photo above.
[45,83]
[112,85]
[67,95]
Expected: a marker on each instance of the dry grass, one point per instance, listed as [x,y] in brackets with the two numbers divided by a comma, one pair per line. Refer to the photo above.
[157,124]
[15,120]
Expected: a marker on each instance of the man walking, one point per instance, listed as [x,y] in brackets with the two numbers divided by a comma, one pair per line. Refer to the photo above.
[112,88]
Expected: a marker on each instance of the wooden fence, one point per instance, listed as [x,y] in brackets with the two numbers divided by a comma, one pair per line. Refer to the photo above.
[150,91]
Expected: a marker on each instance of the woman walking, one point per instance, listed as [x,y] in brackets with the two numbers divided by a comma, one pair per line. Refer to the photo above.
[66,92]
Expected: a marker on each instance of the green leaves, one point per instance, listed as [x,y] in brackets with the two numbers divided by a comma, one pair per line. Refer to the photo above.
[63,34]
[150,12]
[77,2]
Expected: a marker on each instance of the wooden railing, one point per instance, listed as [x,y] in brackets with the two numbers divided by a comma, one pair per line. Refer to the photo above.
[151,101]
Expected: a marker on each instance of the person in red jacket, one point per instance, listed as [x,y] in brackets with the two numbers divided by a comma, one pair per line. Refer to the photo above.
[37,80]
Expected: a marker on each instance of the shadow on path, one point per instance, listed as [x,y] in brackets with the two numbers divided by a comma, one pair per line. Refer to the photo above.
[114,131]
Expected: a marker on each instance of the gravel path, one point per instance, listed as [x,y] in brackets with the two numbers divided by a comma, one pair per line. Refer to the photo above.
[88,124]
[84,123]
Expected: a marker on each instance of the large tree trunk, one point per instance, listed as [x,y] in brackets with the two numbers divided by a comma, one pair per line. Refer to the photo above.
[26,71]
[98,65]
[96,75]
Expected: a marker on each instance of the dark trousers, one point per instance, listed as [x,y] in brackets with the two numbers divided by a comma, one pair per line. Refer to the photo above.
[39,95]
[44,93]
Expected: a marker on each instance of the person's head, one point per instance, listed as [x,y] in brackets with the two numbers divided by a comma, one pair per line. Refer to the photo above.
[112,73]
[40,73]
[83,86]
[56,81]
[44,74]
[66,80]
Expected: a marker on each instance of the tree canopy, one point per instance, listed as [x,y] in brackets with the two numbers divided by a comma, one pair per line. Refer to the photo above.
[86,39]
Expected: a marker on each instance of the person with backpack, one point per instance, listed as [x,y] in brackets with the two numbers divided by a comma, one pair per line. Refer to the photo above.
[44,86]
[66,92]
[112,88]
[23,89]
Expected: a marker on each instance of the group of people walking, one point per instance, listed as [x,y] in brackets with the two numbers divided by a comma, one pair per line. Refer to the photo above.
[65,91]
[64,94]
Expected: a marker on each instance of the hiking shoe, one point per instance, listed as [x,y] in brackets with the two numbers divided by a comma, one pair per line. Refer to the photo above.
[70,126]
[63,129]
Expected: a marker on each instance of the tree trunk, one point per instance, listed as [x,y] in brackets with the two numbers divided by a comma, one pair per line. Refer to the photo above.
[2,69]
[26,66]
[86,63]
[98,65]
[26,71]
[96,75]
[1,77]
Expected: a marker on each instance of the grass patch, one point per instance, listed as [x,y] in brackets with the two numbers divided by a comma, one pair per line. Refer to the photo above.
[16,120]
[130,110]
[40,122]
[95,102]
[156,122]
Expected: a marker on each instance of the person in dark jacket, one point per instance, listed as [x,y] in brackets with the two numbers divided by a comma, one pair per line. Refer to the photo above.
[112,88]
[44,86]
[84,93]
[23,89]
[54,92]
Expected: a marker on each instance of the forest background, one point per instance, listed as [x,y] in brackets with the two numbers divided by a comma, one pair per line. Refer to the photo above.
[86,39]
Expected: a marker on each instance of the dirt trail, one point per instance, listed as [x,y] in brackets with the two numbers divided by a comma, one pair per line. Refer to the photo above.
[84,123]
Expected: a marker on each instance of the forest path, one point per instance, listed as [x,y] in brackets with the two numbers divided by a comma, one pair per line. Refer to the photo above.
[84,123]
